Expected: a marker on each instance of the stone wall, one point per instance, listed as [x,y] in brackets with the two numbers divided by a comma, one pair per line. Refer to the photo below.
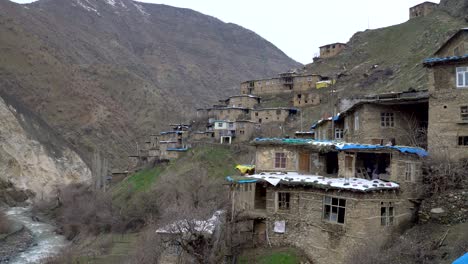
[326,242]
[369,130]
[445,123]
[280,85]
[265,158]
[269,115]
[302,99]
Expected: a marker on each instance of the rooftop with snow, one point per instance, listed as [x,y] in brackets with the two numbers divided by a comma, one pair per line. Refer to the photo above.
[321,182]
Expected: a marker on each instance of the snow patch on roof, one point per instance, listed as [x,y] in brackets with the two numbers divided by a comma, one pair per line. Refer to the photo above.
[357,184]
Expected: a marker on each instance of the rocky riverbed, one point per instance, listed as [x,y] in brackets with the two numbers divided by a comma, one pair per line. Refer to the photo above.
[35,241]
[14,243]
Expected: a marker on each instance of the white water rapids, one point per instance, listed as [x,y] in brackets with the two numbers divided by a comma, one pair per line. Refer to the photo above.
[45,241]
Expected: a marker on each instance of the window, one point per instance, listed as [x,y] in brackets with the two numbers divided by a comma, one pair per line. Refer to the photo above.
[463,141]
[410,171]
[462,77]
[356,121]
[256,114]
[387,213]
[338,133]
[283,200]
[464,113]
[280,160]
[231,125]
[387,120]
[219,124]
[334,210]
[278,112]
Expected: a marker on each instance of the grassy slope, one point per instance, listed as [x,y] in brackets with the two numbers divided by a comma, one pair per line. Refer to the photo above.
[271,256]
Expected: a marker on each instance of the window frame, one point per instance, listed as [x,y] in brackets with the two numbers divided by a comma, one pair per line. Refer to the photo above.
[356,121]
[464,112]
[410,171]
[463,141]
[328,208]
[462,71]
[339,132]
[283,202]
[280,161]
[387,119]
[387,214]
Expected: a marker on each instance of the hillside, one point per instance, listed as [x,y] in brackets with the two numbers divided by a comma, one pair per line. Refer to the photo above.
[106,73]
[388,59]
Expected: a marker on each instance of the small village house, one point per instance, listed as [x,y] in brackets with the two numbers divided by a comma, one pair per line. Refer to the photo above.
[270,115]
[331,50]
[288,82]
[422,9]
[325,198]
[448,103]
[398,118]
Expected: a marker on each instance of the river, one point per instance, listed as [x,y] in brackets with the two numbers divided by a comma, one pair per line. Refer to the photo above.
[46,241]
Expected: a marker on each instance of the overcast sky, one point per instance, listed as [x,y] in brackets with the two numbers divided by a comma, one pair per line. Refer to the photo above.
[299,27]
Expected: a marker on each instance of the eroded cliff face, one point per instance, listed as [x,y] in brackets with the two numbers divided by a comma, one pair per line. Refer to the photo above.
[35,162]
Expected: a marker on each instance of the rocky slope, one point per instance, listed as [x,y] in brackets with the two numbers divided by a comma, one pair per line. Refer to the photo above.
[32,158]
[105,73]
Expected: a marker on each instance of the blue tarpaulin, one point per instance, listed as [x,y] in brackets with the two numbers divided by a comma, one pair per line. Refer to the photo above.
[230,179]
[418,151]
[343,146]
[177,149]
[445,59]
[462,260]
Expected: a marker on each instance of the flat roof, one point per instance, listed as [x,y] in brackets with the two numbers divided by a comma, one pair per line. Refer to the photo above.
[424,3]
[277,78]
[333,44]
[434,61]
[317,181]
[338,145]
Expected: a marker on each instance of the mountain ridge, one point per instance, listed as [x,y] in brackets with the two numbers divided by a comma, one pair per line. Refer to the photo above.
[104,76]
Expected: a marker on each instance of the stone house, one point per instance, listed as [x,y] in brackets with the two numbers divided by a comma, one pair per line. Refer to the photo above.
[172,144]
[242,101]
[224,113]
[245,130]
[202,136]
[302,99]
[448,103]
[399,118]
[331,50]
[269,115]
[286,83]
[423,9]
[227,132]
[316,195]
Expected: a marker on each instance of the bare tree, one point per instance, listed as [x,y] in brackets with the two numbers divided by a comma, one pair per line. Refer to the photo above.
[191,217]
